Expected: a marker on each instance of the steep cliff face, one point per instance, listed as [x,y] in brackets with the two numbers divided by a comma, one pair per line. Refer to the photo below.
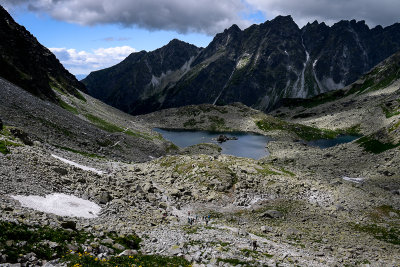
[248,65]
[261,65]
[141,75]
[28,64]
[340,54]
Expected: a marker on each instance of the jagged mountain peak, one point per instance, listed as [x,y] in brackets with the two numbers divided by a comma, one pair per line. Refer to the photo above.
[275,59]
[142,74]
[233,28]
[283,19]
[176,41]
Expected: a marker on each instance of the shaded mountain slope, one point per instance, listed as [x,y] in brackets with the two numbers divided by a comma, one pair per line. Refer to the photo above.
[90,128]
[28,64]
[370,106]
[259,66]
[141,75]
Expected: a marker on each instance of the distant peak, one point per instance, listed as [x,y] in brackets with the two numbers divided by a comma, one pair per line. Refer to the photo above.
[233,28]
[175,41]
[178,43]
[281,19]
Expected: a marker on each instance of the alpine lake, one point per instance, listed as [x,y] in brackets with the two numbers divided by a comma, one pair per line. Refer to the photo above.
[245,144]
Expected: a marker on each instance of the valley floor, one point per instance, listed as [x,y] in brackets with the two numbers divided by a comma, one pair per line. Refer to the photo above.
[302,206]
[295,204]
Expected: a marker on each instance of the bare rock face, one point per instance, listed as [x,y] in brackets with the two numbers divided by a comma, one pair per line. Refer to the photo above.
[23,136]
[104,197]
[28,64]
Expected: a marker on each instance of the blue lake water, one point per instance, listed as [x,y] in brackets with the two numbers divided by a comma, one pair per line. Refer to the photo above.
[325,143]
[248,145]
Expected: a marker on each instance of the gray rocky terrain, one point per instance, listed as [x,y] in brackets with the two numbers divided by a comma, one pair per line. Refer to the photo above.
[302,205]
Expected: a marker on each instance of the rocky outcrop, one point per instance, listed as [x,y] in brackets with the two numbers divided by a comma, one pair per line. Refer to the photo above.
[30,65]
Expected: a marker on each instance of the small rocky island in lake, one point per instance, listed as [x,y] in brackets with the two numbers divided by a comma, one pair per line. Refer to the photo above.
[223,138]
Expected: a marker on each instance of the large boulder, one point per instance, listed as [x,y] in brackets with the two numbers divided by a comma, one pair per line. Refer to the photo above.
[23,136]
[271,214]
[104,197]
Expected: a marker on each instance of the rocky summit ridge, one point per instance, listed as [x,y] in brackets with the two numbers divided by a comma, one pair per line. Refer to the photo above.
[257,66]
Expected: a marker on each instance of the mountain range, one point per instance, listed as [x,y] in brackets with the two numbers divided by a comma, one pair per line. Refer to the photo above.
[257,66]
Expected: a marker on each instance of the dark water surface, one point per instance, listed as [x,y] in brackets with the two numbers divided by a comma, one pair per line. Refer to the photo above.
[325,143]
[248,145]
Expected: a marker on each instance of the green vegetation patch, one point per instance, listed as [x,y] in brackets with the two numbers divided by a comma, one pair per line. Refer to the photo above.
[86,260]
[266,170]
[171,148]
[390,112]
[56,127]
[4,144]
[190,123]
[141,135]
[68,107]
[287,172]
[304,132]
[395,126]
[128,241]
[216,122]
[390,235]
[236,262]
[16,239]
[210,108]
[322,99]
[3,147]
[379,78]
[105,125]
[353,130]
[191,229]
[80,96]
[375,146]
[112,128]
[381,213]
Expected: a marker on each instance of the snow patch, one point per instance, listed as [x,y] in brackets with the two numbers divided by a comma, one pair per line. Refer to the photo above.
[186,67]
[156,81]
[223,88]
[243,61]
[60,204]
[330,84]
[69,162]
[354,180]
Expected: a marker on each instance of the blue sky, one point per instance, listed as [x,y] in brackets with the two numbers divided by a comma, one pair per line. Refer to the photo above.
[88,35]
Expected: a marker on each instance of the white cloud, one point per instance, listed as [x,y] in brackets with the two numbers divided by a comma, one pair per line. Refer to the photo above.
[208,16]
[205,16]
[83,62]
[382,12]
